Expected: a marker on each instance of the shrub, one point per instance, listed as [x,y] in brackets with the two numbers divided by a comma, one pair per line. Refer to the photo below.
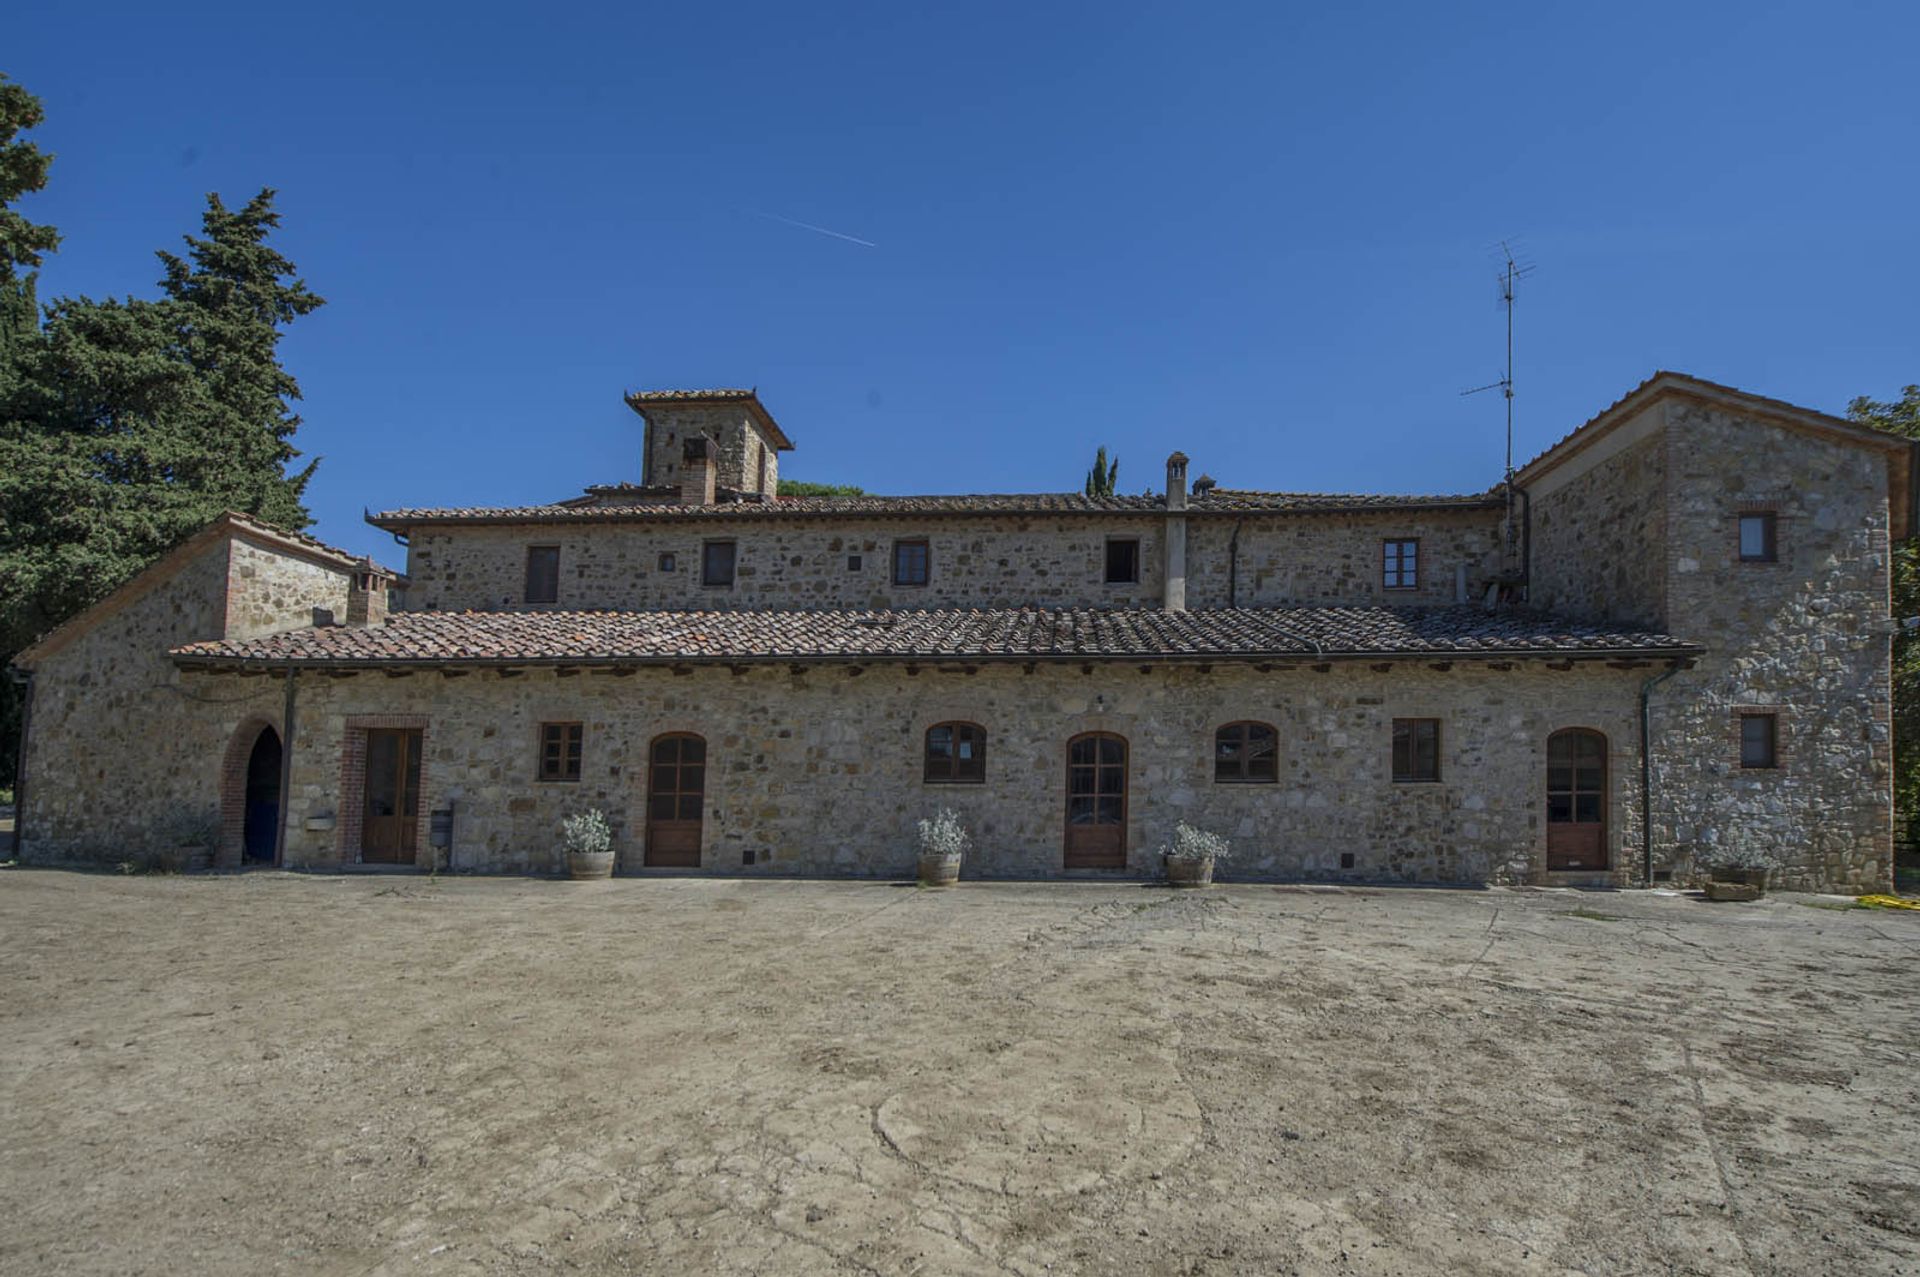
[1738,857]
[1195,844]
[944,835]
[587,833]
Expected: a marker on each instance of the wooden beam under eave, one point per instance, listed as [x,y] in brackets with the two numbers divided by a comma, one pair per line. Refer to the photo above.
[1501,666]
[507,672]
[566,671]
[400,673]
[1384,667]
[1440,667]
[448,671]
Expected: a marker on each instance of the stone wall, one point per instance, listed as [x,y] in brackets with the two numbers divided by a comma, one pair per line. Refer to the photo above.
[1335,559]
[742,446]
[271,590]
[820,772]
[1807,637]
[1599,529]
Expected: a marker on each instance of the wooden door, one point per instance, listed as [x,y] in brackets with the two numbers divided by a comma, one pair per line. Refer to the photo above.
[676,797]
[390,826]
[1096,802]
[1576,800]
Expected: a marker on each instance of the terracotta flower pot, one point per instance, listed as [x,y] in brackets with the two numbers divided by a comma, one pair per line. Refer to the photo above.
[939,871]
[1182,872]
[586,865]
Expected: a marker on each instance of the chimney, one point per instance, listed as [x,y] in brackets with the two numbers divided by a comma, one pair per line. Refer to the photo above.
[1203,485]
[1174,592]
[697,471]
[367,596]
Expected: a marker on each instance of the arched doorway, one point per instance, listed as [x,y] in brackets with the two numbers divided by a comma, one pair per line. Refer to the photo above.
[1096,802]
[260,819]
[1576,800]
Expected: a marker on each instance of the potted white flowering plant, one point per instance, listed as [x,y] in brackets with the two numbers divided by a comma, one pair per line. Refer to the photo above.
[589,844]
[943,841]
[1739,873]
[1191,856]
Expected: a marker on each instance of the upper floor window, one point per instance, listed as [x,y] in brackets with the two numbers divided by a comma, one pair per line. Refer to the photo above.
[1759,740]
[543,574]
[911,561]
[1416,749]
[956,754]
[560,751]
[1244,753]
[666,561]
[1400,564]
[716,563]
[1759,537]
[1123,560]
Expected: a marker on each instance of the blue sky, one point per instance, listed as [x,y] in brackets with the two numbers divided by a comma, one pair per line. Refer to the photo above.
[1263,234]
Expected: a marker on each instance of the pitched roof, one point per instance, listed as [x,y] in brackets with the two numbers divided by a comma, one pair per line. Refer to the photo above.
[161,570]
[1903,467]
[641,400]
[972,634]
[1220,501]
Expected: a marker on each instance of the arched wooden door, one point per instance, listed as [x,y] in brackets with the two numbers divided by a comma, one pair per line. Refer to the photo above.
[676,799]
[1576,800]
[1097,802]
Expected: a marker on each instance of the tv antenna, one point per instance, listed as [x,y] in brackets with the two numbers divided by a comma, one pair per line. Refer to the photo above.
[1511,273]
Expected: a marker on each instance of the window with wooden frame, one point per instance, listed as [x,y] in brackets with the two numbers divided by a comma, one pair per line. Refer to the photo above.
[1416,750]
[1123,560]
[1246,754]
[1760,537]
[560,751]
[543,574]
[667,562]
[956,754]
[1759,740]
[716,563]
[1400,564]
[912,562]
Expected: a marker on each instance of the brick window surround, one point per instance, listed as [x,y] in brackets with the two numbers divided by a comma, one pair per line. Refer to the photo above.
[353,782]
[1782,738]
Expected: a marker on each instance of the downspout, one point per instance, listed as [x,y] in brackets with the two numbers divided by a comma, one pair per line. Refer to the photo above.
[1233,565]
[1526,543]
[1646,772]
[22,679]
[286,772]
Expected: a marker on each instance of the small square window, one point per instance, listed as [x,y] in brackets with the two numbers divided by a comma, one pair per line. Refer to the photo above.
[1759,538]
[1760,740]
[560,751]
[1416,749]
[1400,564]
[1123,561]
[716,563]
[911,562]
[543,574]
[853,563]
[667,563]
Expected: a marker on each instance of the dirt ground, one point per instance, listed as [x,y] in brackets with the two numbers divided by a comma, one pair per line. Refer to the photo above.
[277,1073]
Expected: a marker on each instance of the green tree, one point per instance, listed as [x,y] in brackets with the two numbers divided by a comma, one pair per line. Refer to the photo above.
[23,170]
[802,488]
[1100,479]
[1902,417]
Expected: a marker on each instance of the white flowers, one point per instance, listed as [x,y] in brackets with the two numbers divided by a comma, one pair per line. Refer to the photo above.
[944,835]
[587,833]
[1195,844]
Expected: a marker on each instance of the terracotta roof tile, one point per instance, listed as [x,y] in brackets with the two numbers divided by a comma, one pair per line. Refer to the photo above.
[934,634]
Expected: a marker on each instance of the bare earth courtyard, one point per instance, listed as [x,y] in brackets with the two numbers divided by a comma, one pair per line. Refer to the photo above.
[278,1073]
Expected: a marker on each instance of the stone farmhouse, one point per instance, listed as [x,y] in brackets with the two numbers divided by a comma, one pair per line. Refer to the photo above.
[1669,638]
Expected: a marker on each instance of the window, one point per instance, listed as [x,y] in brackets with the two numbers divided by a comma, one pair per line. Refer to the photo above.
[667,563]
[956,754]
[716,563]
[1400,564]
[853,563]
[910,562]
[1416,749]
[1759,538]
[543,574]
[1123,560]
[1759,740]
[560,751]
[1244,753]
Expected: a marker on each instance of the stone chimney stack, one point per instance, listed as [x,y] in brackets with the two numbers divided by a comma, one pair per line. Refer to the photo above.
[1174,596]
[698,470]
[367,595]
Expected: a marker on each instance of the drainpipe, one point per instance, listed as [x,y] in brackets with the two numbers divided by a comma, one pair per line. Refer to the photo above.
[286,773]
[1526,542]
[1646,772]
[23,679]
[1233,565]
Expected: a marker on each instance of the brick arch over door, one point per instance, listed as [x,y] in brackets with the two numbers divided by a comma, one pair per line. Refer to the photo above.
[233,787]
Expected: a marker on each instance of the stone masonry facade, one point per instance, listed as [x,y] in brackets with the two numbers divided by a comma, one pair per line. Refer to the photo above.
[1614,601]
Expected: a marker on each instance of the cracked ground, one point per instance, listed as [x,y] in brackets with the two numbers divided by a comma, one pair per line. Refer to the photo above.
[278,1073]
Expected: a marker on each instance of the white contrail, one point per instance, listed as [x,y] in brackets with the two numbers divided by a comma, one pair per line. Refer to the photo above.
[819,230]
